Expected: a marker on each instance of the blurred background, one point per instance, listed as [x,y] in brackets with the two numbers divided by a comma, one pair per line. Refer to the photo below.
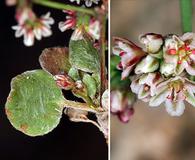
[70,141]
[151,134]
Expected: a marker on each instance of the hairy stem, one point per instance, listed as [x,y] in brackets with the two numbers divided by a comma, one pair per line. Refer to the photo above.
[63,6]
[186,15]
[80,106]
[102,19]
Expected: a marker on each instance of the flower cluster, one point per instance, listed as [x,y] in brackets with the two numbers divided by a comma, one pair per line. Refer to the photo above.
[31,27]
[160,71]
[76,20]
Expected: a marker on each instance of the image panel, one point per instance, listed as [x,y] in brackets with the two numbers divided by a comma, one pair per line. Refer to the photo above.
[152,71]
[53,83]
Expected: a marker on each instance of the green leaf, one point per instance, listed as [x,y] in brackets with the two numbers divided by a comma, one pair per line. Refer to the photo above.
[96,76]
[74,74]
[55,60]
[90,82]
[35,103]
[83,55]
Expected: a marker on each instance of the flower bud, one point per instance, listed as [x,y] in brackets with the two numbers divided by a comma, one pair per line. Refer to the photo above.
[152,42]
[122,104]
[148,64]
[64,82]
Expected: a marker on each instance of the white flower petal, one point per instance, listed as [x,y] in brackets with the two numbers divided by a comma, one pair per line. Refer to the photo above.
[126,72]
[28,39]
[156,100]
[46,32]
[148,64]
[37,33]
[175,108]
[191,70]
[189,97]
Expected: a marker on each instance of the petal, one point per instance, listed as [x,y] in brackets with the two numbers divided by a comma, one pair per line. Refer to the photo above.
[115,101]
[126,72]
[37,33]
[46,32]
[189,97]
[28,39]
[156,100]
[68,24]
[187,36]
[167,69]
[174,108]
[179,69]
[135,86]
[191,70]
[148,64]
[152,42]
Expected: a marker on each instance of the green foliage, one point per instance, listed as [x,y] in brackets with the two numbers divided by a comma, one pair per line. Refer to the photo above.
[83,55]
[115,75]
[74,74]
[35,103]
[90,82]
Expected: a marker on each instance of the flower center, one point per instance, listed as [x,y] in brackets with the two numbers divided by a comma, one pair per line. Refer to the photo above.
[183,53]
[175,87]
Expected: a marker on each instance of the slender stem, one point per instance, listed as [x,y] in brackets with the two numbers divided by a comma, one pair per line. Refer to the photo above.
[63,6]
[186,15]
[80,106]
[102,19]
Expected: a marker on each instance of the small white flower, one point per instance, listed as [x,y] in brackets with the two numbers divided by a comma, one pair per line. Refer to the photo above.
[180,52]
[173,92]
[152,42]
[32,28]
[147,64]
[145,85]
[129,53]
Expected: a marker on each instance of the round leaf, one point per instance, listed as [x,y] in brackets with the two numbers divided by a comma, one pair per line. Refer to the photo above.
[35,103]
[55,60]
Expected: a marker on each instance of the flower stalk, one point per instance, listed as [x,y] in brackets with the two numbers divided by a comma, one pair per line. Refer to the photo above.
[62,6]
[102,19]
[186,15]
[81,106]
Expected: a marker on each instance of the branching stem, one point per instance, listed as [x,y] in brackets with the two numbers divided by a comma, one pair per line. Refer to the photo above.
[186,15]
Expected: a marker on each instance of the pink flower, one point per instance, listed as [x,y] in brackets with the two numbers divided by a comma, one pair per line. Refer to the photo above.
[180,53]
[32,27]
[73,21]
[130,55]
[122,105]
[153,42]
[70,22]
[173,92]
